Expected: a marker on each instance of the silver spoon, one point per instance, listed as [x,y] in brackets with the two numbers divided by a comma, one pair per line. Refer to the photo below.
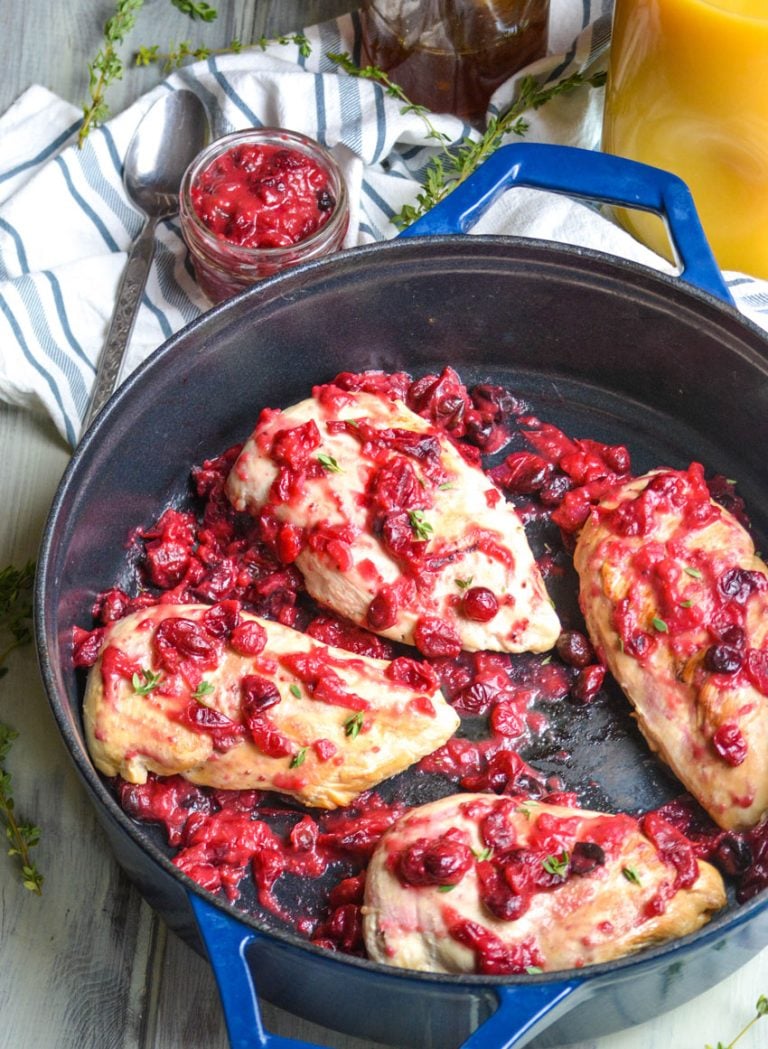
[169,137]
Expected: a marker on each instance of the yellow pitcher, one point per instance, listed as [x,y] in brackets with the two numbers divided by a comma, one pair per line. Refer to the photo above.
[688,92]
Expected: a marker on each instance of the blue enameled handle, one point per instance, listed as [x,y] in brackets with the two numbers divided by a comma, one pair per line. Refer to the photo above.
[522,1011]
[583,173]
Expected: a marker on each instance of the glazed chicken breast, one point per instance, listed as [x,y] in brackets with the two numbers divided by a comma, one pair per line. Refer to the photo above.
[676,603]
[228,700]
[477,883]
[392,528]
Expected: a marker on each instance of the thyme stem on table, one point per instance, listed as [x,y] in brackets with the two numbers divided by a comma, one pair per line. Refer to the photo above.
[15,631]
[454,164]
[761,1009]
[185,51]
[108,66]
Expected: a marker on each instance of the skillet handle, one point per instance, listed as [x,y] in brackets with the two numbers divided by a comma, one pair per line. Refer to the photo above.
[225,941]
[523,1010]
[591,175]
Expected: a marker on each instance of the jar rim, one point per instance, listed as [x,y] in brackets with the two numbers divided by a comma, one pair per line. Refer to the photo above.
[205,238]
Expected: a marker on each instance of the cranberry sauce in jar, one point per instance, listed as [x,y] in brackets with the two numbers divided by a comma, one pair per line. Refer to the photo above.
[257,201]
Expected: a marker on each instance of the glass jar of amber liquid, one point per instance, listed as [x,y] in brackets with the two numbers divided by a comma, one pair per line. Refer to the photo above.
[451,55]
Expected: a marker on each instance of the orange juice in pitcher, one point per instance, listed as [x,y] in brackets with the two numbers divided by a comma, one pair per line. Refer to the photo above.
[688,92]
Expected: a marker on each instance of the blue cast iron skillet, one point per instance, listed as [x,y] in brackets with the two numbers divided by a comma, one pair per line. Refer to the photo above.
[602,348]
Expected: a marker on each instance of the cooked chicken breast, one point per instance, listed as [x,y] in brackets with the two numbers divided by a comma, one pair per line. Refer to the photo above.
[395,530]
[232,701]
[676,602]
[480,883]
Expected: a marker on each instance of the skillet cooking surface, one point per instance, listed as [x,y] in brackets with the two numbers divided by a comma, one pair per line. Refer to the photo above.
[605,351]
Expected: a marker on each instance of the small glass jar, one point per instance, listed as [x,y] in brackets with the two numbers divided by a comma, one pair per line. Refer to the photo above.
[257,201]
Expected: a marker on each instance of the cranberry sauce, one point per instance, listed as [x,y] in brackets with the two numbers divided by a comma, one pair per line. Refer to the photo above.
[519,713]
[263,196]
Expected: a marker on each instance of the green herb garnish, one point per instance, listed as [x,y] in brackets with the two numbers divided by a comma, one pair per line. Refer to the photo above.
[295,690]
[353,725]
[145,682]
[329,463]
[482,854]
[556,864]
[630,873]
[205,688]
[298,758]
[422,529]
[464,584]
[694,573]
[660,625]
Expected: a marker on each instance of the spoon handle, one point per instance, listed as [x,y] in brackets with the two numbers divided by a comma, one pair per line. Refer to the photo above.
[126,307]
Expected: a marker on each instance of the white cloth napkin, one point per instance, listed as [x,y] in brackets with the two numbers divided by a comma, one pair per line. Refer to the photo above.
[66,223]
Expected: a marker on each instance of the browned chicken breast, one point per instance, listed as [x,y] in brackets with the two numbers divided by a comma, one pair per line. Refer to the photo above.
[480,883]
[232,701]
[393,528]
[676,602]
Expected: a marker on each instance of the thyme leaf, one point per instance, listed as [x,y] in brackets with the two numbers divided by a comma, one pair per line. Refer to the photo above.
[353,725]
[557,865]
[329,463]
[298,758]
[146,681]
[205,688]
[422,529]
[200,10]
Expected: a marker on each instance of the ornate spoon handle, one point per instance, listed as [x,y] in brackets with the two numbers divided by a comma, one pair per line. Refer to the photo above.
[128,296]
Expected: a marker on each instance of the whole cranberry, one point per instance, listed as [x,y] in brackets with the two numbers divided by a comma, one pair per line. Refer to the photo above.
[382,611]
[585,857]
[733,855]
[574,648]
[434,638]
[730,744]
[480,604]
[723,659]
[589,681]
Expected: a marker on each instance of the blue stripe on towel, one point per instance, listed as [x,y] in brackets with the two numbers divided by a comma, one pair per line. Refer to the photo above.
[61,310]
[19,245]
[44,154]
[235,99]
[86,207]
[38,368]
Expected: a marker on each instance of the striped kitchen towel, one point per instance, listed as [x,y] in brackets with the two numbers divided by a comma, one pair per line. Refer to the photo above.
[66,224]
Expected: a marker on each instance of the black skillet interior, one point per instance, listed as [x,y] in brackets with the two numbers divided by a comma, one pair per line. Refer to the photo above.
[603,350]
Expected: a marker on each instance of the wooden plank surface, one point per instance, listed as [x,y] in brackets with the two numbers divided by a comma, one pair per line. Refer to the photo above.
[89,966]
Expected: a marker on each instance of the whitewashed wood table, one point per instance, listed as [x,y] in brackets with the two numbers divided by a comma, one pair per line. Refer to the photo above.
[88,965]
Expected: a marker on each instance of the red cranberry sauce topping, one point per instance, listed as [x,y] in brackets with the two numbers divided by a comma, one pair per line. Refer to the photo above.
[263,196]
[233,561]
[434,861]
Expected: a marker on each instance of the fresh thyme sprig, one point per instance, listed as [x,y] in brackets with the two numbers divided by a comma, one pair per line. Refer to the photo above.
[454,164]
[21,836]
[107,66]
[185,51]
[15,631]
[15,609]
[761,1009]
